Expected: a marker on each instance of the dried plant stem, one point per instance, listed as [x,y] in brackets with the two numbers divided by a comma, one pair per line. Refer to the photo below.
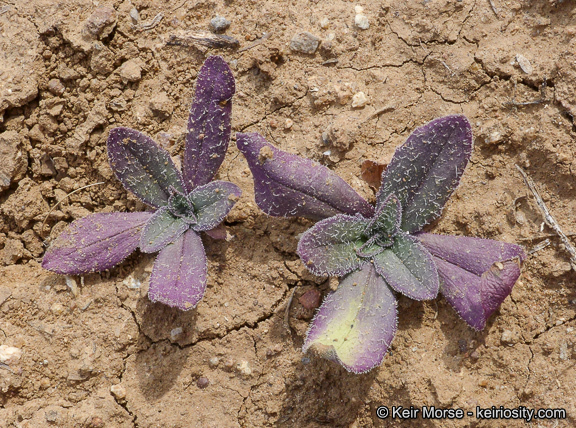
[63,199]
[550,221]
[539,246]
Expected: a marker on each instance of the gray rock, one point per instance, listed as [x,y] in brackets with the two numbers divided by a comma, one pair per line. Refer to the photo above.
[219,24]
[305,42]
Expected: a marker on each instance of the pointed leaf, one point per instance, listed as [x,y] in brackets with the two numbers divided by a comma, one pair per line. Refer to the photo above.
[356,324]
[212,202]
[289,185]
[408,268]
[179,274]
[162,229]
[426,169]
[95,243]
[476,275]
[142,166]
[209,123]
[329,247]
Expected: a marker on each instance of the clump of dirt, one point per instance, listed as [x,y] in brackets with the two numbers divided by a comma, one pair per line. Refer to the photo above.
[95,352]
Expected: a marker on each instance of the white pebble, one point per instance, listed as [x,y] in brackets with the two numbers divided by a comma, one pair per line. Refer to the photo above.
[118,391]
[361,21]
[358,9]
[175,333]
[359,100]
[9,354]
[324,23]
[244,368]
[524,64]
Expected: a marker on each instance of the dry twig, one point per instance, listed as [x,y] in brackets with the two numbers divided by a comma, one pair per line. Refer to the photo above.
[550,221]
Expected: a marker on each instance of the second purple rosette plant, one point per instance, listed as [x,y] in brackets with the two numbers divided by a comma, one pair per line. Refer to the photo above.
[380,250]
[186,202]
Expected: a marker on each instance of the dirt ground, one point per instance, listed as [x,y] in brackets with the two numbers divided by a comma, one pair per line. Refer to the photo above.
[97,353]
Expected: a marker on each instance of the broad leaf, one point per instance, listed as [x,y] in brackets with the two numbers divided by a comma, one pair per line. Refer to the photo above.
[408,268]
[162,229]
[142,166]
[426,169]
[355,324]
[329,247]
[212,202]
[95,243]
[179,274]
[476,275]
[209,123]
[289,185]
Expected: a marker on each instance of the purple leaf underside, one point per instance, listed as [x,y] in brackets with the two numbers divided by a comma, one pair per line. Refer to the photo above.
[426,169]
[289,185]
[142,166]
[355,324]
[476,275]
[408,268]
[179,274]
[162,229]
[95,243]
[329,247]
[209,123]
[212,202]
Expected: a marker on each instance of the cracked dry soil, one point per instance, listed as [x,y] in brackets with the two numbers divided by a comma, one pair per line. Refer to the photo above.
[105,356]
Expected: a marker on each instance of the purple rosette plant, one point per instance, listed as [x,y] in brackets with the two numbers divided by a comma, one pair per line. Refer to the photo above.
[379,251]
[186,203]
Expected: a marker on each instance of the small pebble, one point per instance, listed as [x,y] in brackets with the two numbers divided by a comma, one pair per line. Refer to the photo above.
[524,64]
[359,100]
[57,309]
[244,368]
[176,333]
[288,124]
[9,354]
[202,382]
[118,391]
[213,362]
[305,42]
[135,15]
[56,87]
[324,23]
[361,20]
[507,337]
[483,383]
[219,24]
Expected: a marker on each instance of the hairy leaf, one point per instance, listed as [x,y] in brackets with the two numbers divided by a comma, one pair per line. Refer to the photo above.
[212,202]
[355,324]
[387,219]
[427,168]
[289,185]
[408,268]
[329,247]
[162,229]
[142,166]
[209,123]
[179,274]
[95,243]
[476,275]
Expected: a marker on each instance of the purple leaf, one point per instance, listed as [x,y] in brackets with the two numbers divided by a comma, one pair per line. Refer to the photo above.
[426,169]
[329,247]
[95,243]
[408,268]
[142,166]
[162,229]
[209,123]
[212,202]
[476,275]
[356,324]
[289,185]
[179,274]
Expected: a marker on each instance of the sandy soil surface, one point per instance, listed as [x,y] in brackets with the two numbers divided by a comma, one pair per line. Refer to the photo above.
[97,353]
